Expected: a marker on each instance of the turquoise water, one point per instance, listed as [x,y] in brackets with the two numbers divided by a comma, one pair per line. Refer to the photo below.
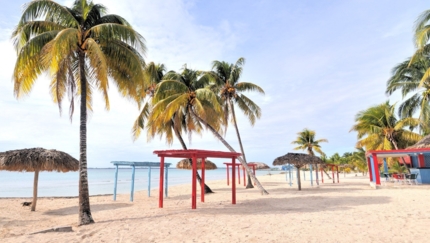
[101,181]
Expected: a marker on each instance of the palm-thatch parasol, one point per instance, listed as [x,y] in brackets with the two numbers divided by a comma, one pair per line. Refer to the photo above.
[298,160]
[184,164]
[260,166]
[37,159]
[423,143]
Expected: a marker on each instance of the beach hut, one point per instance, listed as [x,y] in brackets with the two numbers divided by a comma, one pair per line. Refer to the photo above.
[298,160]
[35,160]
[260,166]
[416,156]
[186,165]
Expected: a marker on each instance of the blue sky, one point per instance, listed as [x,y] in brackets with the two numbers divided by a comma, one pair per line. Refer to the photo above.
[319,62]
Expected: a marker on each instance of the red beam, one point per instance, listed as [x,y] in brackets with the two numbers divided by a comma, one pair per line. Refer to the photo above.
[233,182]
[202,186]
[194,185]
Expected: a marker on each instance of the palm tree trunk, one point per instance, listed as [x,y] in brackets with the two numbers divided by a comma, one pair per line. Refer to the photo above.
[35,182]
[216,134]
[178,135]
[327,174]
[249,184]
[84,198]
[299,183]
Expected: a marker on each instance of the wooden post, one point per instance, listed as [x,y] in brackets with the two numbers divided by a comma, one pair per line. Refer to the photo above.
[337,170]
[376,169]
[149,181]
[202,184]
[228,176]
[310,170]
[160,190]
[369,167]
[166,181]
[132,183]
[238,174]
[115,183]
[289,174]
[244,178]
[332,172]
[322,175]
[253,170]
[233,182]
[194,184]
[35,182]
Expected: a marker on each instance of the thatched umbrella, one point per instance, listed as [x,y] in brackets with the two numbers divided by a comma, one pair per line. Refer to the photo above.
[37,159]
[298,160]
[260,166]
[184,164]
[423,143]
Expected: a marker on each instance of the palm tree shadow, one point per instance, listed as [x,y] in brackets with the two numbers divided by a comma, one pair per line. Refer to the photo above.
[94,208]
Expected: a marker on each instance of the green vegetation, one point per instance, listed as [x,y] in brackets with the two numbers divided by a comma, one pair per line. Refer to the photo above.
[80,47]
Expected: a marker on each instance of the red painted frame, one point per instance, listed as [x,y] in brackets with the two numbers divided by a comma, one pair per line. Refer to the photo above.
[195,154]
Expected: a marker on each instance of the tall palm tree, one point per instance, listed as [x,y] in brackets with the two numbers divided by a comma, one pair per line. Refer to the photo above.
[406,77]
[231,92]
[378,128]
[189,93]
[80,47]
[306,141]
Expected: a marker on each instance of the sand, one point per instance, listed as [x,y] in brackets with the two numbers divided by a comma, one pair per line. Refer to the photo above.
[346,212]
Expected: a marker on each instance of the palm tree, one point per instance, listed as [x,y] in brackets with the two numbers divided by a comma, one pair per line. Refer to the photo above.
[358,159]
[406,77]
[189,93]
[231,92]
[378,128]
[306,141]
[153,73]
[155,121]
[81,47]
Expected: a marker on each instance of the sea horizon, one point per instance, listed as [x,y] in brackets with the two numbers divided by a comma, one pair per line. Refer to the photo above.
[101,181]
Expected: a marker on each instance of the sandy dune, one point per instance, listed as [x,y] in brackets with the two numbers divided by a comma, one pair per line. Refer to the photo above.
[346,212]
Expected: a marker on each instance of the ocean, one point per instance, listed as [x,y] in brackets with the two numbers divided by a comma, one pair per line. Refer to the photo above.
[101,181]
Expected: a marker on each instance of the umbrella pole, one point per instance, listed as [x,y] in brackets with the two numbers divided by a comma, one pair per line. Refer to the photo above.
[36,179]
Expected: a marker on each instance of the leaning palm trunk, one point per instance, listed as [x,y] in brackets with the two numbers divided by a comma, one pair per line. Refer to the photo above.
[84,198]
[216,134]
[178,135]
[249,184]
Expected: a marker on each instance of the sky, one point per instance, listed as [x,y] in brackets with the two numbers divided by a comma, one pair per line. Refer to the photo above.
[319,63]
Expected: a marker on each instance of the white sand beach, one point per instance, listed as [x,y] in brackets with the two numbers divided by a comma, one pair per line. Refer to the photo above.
[346,212]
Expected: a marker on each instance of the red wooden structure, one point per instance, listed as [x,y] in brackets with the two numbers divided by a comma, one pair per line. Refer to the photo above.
[332,172]
[238,172]
[195,154]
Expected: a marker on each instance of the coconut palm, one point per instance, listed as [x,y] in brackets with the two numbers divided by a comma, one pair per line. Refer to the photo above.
[170,117]
[378,128]
[406,77]
[153,73]
[189,93]
[80,47]
[358,159]
[306,141]
[231,92]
